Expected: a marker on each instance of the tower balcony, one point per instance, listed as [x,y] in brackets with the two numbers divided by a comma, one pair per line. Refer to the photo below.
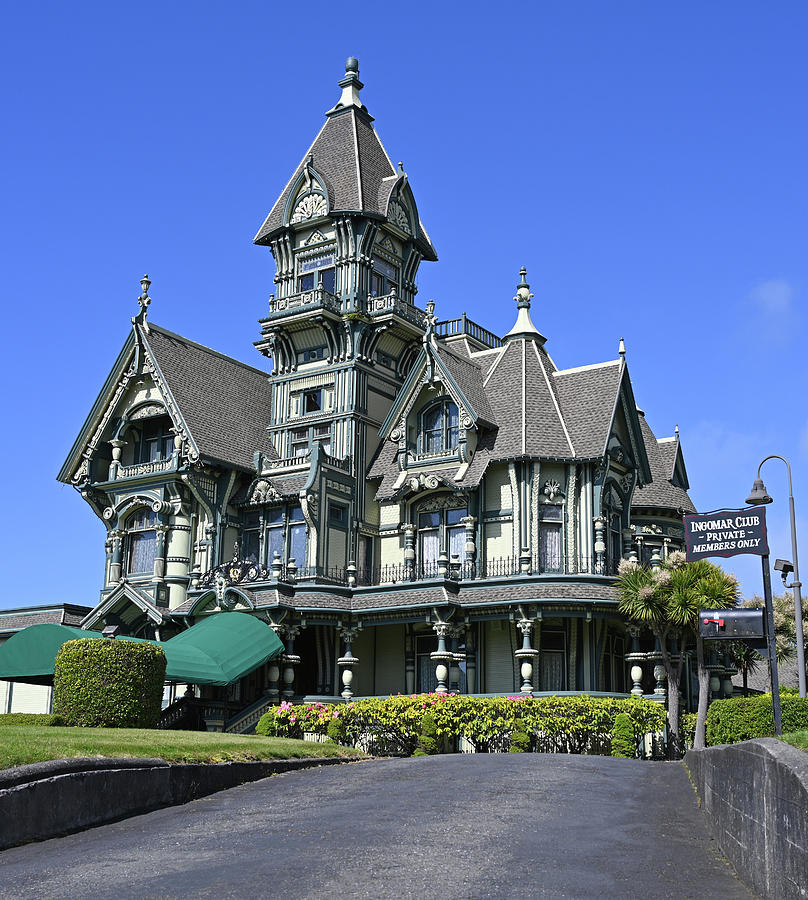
[392,305]
[302,302]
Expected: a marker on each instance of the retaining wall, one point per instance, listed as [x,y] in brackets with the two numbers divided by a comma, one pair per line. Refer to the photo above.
[755,796]
[48,799]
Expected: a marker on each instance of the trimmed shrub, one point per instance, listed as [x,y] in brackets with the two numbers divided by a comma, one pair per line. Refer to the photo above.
[520,741]
[394,725]
[336,730]
[46,719]
[102,683]
[624,741]
[744,718]
[428,741]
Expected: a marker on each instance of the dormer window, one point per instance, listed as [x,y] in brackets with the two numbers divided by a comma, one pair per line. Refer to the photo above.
[439,427]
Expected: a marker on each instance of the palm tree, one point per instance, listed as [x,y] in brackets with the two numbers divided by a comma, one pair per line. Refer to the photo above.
[667,601]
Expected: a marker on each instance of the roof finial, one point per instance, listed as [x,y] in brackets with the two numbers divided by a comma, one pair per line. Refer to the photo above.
[676,432]
[351,85]
[621,348]
[144,300]
[430,320]
[523,295]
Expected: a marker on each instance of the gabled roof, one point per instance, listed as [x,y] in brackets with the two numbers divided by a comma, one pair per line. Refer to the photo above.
[349,158]
[224,404]
[662,492]
[461,375]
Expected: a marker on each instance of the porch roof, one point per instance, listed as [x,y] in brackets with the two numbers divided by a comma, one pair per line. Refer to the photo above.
[218,650]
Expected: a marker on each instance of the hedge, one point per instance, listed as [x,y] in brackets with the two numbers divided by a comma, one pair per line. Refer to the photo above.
[744,718]
[624,743]
[393,725]
[103,683]
[45,719]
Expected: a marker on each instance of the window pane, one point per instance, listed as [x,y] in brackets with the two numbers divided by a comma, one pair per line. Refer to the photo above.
[433,418]
[275,543]
[274,515]
[551,513]
[306,282]
[296,514]
[550,548]
[457,543]
[453,516]
[142,547]
[430,548]
[297,544]
[328,279]
[249,545]
[429,520]
[552,671]
[312,401]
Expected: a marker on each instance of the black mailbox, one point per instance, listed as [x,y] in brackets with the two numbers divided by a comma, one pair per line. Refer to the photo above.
[732,624]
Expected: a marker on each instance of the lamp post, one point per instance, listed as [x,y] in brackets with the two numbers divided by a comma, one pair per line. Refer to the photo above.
[760,495]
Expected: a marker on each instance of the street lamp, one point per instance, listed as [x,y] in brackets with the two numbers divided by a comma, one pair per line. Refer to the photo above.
[758,496]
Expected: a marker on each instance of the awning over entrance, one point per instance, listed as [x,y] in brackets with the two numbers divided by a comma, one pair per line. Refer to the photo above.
[218,650]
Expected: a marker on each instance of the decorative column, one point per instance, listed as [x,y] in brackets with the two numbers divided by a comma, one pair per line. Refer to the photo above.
[290,660]
[442,657]
[455,567]
[457,659]
[640,542]
[636,657]
[443,564]
[160,551]
[117,446]
[526,656]
[350,574]
[600,545]
[628,540]
[471,661]
[409,661]
[656,559]
[470,523]
[116,559]
[409,551]
[348,661]
[524,561]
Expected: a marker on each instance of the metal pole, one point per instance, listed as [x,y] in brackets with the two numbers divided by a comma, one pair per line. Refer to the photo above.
[796,587]
[767,593]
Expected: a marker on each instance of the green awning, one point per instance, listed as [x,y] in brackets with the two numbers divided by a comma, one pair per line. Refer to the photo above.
[218,650]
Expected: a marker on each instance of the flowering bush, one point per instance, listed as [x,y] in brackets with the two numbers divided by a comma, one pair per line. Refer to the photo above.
[393,725]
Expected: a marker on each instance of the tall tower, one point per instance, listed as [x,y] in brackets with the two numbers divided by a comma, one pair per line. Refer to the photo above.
[342,328]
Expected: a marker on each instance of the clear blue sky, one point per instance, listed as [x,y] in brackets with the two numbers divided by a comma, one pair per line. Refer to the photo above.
[645,161]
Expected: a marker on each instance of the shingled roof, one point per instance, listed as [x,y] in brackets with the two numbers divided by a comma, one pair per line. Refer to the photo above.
[225,403]
[588,396]
[662,492]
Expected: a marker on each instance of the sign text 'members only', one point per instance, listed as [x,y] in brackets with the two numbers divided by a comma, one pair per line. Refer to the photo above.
[726,532]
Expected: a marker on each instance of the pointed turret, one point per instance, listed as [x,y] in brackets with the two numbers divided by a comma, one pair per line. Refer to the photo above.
[524,326]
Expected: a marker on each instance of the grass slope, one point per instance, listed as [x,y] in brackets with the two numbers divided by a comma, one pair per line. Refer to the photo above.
[23,744]
[798,739]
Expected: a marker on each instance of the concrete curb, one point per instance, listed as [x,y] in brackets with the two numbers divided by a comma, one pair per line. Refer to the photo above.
[755,795]
[49,799]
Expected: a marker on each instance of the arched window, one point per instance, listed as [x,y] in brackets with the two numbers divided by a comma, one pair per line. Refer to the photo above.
[141,542]
[439,427]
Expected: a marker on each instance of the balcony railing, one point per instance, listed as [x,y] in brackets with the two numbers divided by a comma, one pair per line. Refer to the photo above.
[146,468]
[464,325]
[392,303]
[318,298]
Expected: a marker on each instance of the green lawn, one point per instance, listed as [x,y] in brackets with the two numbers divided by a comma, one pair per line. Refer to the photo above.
[798,739]
[24,744]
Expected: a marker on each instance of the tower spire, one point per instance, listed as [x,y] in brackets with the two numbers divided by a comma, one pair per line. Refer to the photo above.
[524,326]
[351,85]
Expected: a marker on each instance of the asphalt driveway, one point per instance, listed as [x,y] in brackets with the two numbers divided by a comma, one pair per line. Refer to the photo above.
[509,825]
